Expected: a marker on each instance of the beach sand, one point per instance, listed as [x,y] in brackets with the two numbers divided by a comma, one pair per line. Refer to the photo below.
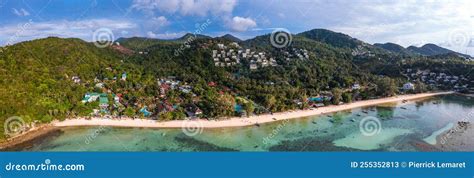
[55,126]
[237,121]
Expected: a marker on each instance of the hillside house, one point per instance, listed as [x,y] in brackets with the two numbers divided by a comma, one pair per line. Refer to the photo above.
[408,86]
[356,86]
[99,85]
[193,111]
[145,112]
[90,97]
[253,66]
[117,98]
[76,79]
[103,103]
[124,76]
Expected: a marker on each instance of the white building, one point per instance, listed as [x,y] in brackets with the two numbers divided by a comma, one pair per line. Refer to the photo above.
[253,66]
[356,86]
[408,86]
[99,85]
[76,79]
[221,46]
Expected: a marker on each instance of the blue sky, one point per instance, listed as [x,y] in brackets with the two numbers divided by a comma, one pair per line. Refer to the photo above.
[409,22]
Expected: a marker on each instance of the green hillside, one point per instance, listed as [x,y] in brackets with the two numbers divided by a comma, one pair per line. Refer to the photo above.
[169,79]
[36,76]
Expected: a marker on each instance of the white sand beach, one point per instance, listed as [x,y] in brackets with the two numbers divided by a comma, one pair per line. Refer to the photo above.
[237,121]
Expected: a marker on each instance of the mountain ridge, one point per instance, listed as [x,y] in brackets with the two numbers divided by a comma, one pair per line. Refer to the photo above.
[431,49]
[332,38]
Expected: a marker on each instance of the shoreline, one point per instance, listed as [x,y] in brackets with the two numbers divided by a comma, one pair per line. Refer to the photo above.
[238,121]
[30,135]
[27,137]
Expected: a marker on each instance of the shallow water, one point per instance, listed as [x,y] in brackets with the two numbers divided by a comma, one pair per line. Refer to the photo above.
[387,127]
[432,138]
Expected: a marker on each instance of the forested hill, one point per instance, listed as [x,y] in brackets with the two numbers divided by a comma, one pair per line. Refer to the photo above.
[35,76]
[332,38]
[432,50]
[46,79]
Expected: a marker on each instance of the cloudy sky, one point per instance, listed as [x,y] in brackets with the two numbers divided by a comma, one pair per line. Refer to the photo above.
[410,22]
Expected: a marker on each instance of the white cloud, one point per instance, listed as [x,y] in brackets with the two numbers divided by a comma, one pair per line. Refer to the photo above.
[281,15]
[186,7]
[220,9]
[21,12]
[158,22]
[150,34]
[155,24]
[407,22]
[410,22]
[241,24]
[166,35]
[83,29]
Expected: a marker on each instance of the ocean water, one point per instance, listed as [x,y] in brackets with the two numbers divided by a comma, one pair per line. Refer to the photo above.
[412,126]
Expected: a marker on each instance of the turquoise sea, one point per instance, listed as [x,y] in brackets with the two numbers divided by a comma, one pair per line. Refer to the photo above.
[434,124]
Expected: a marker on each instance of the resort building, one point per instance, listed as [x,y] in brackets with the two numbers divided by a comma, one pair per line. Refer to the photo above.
[408,86]
[193,111]
[103,103]
[90,97]
[145,112]
[76,79]
[356,86]
[124,76]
